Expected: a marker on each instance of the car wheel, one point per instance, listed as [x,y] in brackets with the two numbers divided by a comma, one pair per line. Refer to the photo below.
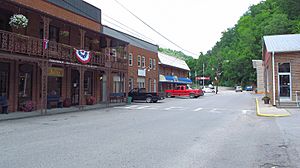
[168,95]
[148,99]
[155,101]
[192,95]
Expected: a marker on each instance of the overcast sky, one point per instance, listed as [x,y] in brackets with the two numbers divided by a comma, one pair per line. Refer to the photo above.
[195,25]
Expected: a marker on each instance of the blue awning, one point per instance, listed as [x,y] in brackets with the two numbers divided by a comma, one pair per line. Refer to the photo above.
[170,78]
[184,80]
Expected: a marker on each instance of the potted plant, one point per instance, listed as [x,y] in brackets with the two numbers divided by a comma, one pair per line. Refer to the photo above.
[64,33]
[90,100]
[67,102]
[28,106]
[18,20]
[266,99]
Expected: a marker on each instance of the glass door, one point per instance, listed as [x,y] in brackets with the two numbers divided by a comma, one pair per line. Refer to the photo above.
[284,86]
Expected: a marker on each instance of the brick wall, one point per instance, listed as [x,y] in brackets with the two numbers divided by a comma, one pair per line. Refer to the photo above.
[133,70]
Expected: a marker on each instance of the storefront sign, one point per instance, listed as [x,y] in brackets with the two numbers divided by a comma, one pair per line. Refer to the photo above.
[202,78]
[141,72]
[56,72]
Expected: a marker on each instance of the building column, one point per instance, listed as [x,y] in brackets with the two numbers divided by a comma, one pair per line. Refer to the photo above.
[44,85]
[82,38]
[81,87]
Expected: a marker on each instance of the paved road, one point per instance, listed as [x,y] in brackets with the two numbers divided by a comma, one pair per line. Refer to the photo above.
[211,131]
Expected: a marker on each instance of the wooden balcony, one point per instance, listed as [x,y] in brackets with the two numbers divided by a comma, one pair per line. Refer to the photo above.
[33,47]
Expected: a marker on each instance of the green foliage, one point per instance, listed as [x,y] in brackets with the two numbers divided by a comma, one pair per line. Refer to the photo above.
[177,54]
[232,56]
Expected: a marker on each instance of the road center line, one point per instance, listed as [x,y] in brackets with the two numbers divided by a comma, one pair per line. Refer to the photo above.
[198,109]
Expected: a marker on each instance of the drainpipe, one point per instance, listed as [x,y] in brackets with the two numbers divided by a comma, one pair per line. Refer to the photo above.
[273,76]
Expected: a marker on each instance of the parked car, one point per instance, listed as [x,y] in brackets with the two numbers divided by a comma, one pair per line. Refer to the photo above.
[184,90]
[249,88]
[238,89]
[140,94]
[208,90]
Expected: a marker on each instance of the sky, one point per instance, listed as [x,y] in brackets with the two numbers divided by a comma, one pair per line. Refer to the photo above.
[194,25]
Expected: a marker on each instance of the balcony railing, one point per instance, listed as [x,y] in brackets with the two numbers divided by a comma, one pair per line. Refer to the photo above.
[33,47]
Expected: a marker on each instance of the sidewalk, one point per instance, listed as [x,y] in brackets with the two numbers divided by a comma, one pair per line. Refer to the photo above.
[20,115]
[267,110]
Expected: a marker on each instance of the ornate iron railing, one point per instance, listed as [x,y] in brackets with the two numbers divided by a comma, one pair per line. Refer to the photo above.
[33,47]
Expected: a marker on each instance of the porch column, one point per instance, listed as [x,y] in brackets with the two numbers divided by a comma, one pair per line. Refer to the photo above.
[16,85]
[82,38]
[44,85]
[108,66]
[81,85]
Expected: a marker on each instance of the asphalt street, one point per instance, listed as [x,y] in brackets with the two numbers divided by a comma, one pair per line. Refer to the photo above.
[208,132]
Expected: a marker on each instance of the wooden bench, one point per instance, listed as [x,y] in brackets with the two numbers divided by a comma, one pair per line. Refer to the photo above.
[4,104]
[56,99]
[117,97]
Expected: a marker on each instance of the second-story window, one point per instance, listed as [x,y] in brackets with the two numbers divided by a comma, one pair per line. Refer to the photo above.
[114,54]
[143,61]
[139,61]
[150,63]
[130,59]
[53,33]
[154,64]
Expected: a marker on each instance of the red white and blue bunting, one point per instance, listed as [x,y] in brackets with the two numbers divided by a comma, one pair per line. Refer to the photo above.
[83,56]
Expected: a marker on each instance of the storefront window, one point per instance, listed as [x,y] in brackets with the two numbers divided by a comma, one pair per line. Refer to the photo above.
[4,79]
[54,86]
[25,82]
[88,83]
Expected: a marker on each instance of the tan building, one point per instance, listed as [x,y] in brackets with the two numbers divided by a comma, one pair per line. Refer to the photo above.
[142,61]
[260,84]
[281,56]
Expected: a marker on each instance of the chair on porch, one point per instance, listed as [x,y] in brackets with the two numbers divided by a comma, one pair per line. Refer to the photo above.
[4,104]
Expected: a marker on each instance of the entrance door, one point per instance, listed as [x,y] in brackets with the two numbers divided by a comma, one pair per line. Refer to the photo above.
[25,84]
[284,81]
[75,87]
[284,87]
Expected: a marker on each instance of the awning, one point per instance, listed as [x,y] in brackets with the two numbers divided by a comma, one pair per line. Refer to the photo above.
[185,80]
[174,79]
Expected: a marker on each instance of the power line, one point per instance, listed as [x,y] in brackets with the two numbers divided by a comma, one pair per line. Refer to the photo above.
[138,33]
[153,28]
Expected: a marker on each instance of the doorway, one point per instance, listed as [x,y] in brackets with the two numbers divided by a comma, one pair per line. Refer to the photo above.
[284,82]
[75,88]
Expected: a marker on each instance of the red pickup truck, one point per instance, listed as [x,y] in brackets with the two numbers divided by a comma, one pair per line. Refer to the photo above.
[184,91]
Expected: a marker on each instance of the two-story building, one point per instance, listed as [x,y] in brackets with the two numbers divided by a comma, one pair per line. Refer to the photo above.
[172,72]
[61,52]
[142,61]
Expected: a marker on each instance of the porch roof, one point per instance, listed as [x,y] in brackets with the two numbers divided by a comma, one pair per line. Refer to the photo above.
[282,43]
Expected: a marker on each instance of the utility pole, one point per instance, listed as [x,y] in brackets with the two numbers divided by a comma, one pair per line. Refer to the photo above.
[203,75]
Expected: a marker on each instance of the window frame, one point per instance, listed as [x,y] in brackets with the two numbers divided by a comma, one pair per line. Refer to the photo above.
[143,62]
[139,63]
[130,59]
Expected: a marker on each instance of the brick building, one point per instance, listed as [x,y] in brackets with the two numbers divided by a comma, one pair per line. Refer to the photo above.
[142,61]
[281,56]
[172,72]
[40,62]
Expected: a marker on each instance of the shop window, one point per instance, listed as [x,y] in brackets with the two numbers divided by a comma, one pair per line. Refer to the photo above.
[141,82]
[4,79]
[284,67]
[25,83]
[154,85]
[54,86]
[149,85]
[88,83]
[117,84]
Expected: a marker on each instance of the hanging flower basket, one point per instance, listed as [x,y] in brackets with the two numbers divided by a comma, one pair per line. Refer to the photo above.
[18,21]
[64,33]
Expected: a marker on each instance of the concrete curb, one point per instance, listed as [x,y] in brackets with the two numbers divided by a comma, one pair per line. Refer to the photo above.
[268,115]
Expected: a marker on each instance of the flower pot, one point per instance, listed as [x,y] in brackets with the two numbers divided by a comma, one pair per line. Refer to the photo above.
[67,102]
[267,101]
